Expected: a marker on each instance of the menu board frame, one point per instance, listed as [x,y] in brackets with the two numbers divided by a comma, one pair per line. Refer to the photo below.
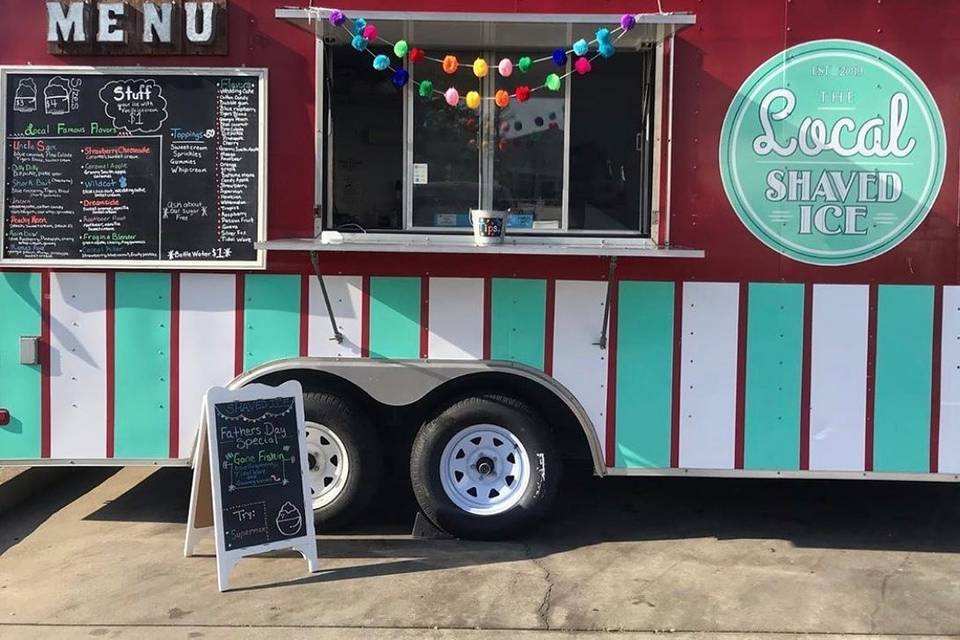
[260,263]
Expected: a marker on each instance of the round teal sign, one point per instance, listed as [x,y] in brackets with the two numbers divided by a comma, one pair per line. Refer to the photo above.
[832,152]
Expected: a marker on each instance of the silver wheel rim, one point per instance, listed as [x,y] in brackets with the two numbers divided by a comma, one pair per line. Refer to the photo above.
[328,465]
[484,469]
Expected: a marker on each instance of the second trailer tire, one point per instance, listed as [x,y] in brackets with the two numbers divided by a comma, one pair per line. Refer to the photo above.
[344,459]
[485,467]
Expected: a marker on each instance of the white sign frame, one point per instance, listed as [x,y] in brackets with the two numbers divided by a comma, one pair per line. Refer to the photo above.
[261,74]
[306,544]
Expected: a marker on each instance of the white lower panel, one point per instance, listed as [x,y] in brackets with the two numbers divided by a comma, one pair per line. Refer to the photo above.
[455,318]
[78,355]
[578,362]
[207,344]
[346,300]
[949,460]
[838,377]
[708,375]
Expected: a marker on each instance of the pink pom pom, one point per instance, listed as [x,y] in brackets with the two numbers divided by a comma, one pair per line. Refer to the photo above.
[505,67]
[452,96]
[582,65]
[370,32]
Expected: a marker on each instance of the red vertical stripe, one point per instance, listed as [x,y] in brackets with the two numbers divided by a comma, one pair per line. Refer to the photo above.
[175,365]
[424,316]
[935,380]
[805,377]
[677,341]
[549,313]
[111,311]
[45,364]
[238,321]
[304,314]
[741,377]
[365,318]
[871,379]
[611,458]
[487,315]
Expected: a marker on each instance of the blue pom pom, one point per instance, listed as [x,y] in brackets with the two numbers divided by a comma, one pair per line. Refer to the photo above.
[580,47]
[381,62]
[359,42]
[603,35]
[359,25]
[400,78]
[559,57]
[606,50]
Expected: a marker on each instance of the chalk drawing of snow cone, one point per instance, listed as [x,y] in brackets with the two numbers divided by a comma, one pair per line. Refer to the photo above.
[289,520]
[25,99]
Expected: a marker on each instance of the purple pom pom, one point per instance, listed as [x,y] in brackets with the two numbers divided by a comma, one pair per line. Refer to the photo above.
[559,57]
[628,22]
[337,18]
[400,78]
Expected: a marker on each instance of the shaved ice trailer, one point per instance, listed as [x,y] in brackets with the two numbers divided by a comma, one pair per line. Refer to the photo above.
[731,247]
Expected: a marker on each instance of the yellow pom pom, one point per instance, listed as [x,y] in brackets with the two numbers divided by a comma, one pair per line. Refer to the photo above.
[473,99]
[480,67]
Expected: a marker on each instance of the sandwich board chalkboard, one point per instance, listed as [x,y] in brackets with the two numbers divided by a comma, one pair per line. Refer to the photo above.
[133,167]
[250,476]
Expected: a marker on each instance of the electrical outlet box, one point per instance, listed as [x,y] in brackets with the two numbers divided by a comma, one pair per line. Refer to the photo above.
[29,350]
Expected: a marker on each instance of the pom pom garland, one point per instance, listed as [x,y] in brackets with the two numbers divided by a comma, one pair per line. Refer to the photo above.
[603,35]
[400,78]
[381,62]
[628,22]
[359,42]
[337,18]
[417,55]
[473,99]
[522,93]
[452,96]
[426,89]
[607,50]
[501,98]
[559,57]
[524,64]
[450,64]
[400,48]
[553,82]
[580,47]
[370,32]
[358,26]
[505,67]
[582,66]
[480,68]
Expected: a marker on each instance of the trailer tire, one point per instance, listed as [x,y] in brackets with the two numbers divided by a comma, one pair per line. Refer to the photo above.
[486,468]
[344,459]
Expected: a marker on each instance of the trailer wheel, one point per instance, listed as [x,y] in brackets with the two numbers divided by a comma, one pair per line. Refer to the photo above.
[343,456]
[485,467]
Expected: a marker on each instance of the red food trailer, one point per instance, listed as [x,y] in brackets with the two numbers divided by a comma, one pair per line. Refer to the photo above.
[669,238]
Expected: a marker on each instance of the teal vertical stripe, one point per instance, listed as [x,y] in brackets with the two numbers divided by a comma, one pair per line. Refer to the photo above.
[142,365]
[518,320]
[271,318]
[901,431]
[644,374]
[394,317]
[774,372]
[19,383]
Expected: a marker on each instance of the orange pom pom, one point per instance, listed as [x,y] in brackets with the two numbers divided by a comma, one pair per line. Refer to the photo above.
[450,64]
[501,98]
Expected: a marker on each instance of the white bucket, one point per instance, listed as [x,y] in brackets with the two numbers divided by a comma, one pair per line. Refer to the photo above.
[488,226]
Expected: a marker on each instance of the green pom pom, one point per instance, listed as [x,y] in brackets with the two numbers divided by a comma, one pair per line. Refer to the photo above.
[400,49]
[553,82]
[524,64]
[425,89]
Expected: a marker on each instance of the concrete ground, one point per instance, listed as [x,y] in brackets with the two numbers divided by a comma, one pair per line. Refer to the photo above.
[100,555]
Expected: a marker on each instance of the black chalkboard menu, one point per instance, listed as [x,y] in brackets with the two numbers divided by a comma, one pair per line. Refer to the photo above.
[261,481]
[142,167]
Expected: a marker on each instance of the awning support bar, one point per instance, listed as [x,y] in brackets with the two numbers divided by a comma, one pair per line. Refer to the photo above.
[315,261]
[602,343]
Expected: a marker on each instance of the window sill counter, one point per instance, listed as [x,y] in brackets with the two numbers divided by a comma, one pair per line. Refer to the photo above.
[517,245]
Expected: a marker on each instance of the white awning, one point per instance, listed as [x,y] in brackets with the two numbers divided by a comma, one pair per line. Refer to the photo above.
[500,31]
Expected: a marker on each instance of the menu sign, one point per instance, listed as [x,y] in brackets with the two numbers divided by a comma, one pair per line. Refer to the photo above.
[145,167]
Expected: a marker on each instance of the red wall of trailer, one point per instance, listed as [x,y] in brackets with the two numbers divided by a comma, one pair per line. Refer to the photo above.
[730,40]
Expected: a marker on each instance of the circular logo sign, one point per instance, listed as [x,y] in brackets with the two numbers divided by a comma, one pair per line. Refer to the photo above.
[832,152]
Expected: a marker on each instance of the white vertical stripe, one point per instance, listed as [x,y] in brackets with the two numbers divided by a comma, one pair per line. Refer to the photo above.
[207,332]
[346,299]
[949,446]
[78,355]
[578,362]
[708,375]
[455,318]
[838,377]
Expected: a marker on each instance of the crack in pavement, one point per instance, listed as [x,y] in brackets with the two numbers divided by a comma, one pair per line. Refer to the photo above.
[543,611]
[883,590]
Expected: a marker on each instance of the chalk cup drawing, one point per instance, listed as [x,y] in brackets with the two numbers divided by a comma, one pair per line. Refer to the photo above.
[61,96]
[136,105]
[25,98]
[289,519]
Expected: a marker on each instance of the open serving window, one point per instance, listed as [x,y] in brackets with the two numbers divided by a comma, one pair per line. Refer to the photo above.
[583,168]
